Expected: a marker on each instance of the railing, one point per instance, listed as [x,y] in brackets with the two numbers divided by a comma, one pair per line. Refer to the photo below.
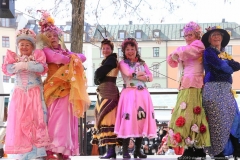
[83,123]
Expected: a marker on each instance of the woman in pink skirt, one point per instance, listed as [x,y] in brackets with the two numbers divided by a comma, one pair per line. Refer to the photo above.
[135,114]
[60,91]
[26,133]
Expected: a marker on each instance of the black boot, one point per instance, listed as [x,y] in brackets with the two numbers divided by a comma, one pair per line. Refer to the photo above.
[199,152]
[236,146]
[188,154]
[137,151]
[125,148]
[110,153]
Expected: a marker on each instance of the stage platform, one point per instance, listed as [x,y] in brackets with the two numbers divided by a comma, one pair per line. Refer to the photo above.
[149,157]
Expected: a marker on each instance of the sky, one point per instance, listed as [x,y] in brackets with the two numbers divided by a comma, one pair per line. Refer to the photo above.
[204,11]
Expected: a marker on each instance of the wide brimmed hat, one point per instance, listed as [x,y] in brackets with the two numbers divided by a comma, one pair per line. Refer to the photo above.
[26,34]
[225,35]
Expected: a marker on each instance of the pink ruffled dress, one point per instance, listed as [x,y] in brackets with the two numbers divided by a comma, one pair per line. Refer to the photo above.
[135,113]
[62,124]
[26,132]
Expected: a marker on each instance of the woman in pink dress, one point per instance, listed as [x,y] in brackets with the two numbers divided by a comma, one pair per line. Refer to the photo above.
[135,113]
[26,133]
[64,91]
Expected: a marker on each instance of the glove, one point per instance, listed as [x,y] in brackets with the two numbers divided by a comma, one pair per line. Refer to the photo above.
[175,57]
[20,66]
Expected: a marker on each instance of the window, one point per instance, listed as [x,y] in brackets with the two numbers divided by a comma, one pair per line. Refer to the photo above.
[138,34]
[12,80]
[120,53]
[155,67]
[181,33]
[6,79]
[156,34]
[155,51]
[5,22]
[156,85]
[5,41]
[104,35]
[228,49]
[3,59]
[139,51]
[66,37]
[121,34]
[101,55]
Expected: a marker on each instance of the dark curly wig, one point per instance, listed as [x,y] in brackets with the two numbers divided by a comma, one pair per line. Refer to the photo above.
[132,42]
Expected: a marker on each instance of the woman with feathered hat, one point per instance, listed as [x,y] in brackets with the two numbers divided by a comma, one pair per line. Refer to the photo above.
[64,91]
[218,98]
[26,133]
[188,126]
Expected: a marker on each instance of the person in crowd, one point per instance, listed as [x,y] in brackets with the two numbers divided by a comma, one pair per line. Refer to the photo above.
[135,108]
[89,138]
[131,146]
[188,126]
[64,91]
[218,98]
[163,149]
[149,146]
[107,100]
[26,132]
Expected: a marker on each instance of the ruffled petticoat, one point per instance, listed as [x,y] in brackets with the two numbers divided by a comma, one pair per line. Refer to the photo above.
[26,133]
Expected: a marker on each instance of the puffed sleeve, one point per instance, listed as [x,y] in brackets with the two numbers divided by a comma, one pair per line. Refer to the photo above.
[54,57]
[9,60]
[39,65]
[235,65]
[125,69]
[80,55]
[191,51]
[103,70]
[172,62]
[148,72]
[210,58]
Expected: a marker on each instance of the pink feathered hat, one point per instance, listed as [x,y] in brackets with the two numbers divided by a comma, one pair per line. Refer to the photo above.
[47,23]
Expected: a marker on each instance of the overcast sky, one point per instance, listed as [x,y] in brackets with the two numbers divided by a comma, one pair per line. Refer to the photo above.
[204,11]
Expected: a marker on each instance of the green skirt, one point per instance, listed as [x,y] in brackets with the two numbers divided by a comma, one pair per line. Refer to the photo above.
[188,126]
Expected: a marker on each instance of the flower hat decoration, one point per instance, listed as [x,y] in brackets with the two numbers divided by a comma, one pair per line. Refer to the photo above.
[47,23]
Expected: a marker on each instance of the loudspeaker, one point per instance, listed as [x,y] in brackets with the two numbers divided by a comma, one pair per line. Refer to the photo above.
[5,11]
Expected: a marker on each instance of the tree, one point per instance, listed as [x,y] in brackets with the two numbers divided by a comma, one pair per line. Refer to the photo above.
[78,8]
[94,9]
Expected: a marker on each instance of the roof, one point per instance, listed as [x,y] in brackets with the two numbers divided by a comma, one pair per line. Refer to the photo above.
[167,31]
